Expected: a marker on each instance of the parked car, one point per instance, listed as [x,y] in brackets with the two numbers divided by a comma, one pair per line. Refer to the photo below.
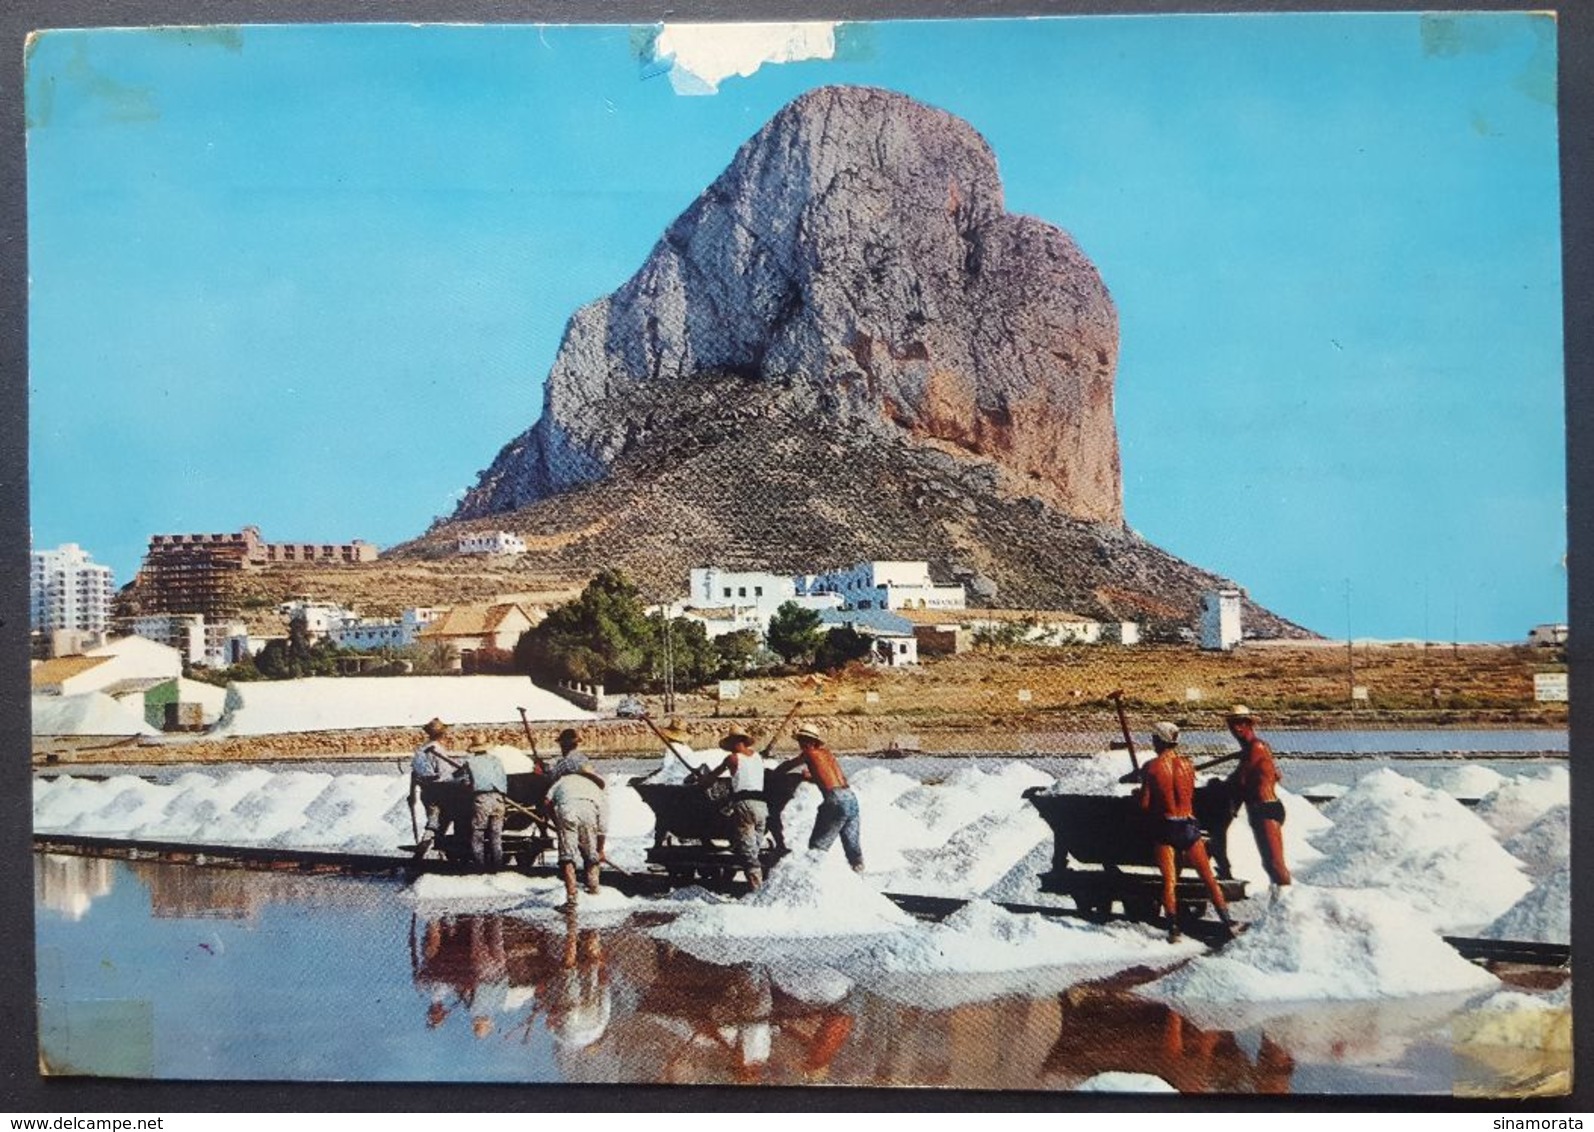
[630,707]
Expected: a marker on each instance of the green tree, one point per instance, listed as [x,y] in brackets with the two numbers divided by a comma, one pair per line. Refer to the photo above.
[604,636]
[841,646]
[738,653]
[794,633]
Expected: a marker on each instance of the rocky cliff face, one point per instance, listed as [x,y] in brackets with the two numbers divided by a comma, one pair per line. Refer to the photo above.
[855,261]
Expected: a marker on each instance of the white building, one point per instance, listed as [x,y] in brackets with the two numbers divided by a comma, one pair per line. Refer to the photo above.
[366,634]
[892,636]
[1220,619]
[884,585]
[125,658]
[227,644]
[727,601]
[184,632]
[493,542]
[320,617]
[69,590]
[1549,634]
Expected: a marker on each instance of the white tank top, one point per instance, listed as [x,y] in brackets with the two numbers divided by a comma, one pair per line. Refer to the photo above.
[748,777]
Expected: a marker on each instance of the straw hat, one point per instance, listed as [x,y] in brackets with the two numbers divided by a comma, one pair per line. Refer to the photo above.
[734,736]
[1240,711]
[434,728]
[674,732]
[806,732]
[1165,733]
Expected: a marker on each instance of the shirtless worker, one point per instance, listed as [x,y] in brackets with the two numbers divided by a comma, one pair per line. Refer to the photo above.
[838,808]
[1167,796]
[1253,784]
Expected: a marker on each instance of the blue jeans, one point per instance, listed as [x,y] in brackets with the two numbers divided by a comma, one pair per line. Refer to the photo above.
[838,813]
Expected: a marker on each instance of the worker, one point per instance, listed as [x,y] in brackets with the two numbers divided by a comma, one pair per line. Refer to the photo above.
[569,760]
[838,806]
[1167,795]
[489,785]
[680,762]
[426,782]
[581,820]
[749,807]
[1253,785]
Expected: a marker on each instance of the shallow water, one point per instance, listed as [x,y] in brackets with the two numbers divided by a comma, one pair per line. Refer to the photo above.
[180,972]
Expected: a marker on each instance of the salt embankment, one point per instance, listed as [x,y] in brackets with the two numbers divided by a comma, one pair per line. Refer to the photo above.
[1443,861]
[1514,1020]
[348,703]
[1325,945]
[1543,915]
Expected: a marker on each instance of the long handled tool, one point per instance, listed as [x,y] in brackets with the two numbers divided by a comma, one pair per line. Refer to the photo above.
[1117,697]
[668,742]
[1219,761]
[530,738]
[775,734]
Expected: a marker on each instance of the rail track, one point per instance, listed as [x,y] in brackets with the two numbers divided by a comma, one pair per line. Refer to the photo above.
[931,908]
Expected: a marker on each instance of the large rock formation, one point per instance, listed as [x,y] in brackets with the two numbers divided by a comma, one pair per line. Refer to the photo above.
[855,253]
[844,349]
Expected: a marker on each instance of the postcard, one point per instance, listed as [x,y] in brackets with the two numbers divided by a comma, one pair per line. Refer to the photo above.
[1012,553]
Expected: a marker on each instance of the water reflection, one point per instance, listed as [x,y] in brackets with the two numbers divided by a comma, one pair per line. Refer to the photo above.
[1106,1029]
[70,885]
[300,976]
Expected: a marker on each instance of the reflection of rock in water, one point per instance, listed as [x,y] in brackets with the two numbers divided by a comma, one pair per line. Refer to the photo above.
[68,884]
[1106,1030]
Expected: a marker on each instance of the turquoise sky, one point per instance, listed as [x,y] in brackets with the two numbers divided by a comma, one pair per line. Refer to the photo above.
[312,278]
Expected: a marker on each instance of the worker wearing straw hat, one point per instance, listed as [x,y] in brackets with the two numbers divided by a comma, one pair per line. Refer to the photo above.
[749,807]
[838,808]
[680,761]
[1255,785]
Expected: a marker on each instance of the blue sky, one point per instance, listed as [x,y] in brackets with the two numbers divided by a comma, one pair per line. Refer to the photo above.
[312,278]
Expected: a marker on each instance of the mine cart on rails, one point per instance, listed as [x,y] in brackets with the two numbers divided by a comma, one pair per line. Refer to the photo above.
[1102,853]
[694,829]
[525,838]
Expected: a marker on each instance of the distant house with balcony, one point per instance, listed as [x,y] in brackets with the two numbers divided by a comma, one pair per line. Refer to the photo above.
[883,584]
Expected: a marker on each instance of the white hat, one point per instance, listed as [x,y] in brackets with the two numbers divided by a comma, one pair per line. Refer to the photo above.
[806,732]
[1165,733]
[1239,711]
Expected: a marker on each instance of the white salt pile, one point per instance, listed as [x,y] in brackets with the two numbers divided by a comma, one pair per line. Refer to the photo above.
[1519,802]
[1546,844]
[1543,915]
[1021,884]
[1444,862]
[1325,944]
[89,713]
[677,767]
[357,813]
[1115,1081]
[1302,822]
[347,702]
[982,937]
[975,857]
[808,894]
[1470,781]
[1094,774]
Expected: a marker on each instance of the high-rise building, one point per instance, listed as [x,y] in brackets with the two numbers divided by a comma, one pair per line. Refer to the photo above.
[69,591]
